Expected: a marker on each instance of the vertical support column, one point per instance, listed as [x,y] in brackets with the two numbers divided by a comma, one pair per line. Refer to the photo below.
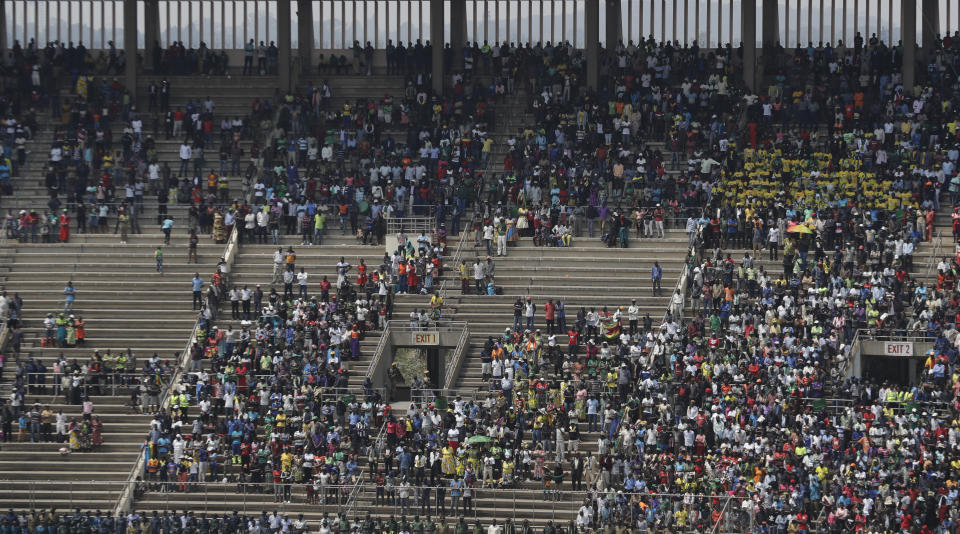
[130,47]
[305,34]
[786,25]
[458,31]
[771,25]
[529,4]
[709,24]
[640,21]
[283,45]
[3,32]
[613,23]
[821,22]
[748,25]
[592,14]
[436,40]
[686,22]
[696,22]
[908,29]
[663,20]
[843,34]
[151,33]
[866,18]
[833,22]
[930,23]
[890,22]
[856,21]
[675,36]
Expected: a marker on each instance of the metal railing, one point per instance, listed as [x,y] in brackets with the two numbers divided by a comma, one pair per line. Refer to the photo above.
[541,503]
[126,498]
[455,360]
[453,263]
[412,226]
[108,383]
[935,252]
[357,488]
[378,353]
[400,325]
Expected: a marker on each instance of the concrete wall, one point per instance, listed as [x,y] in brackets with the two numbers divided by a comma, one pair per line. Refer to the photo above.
[869,348]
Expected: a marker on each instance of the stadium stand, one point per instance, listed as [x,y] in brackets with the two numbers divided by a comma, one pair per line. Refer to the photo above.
[667,284]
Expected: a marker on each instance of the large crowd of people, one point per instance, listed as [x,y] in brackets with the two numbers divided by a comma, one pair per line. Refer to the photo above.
[804,205]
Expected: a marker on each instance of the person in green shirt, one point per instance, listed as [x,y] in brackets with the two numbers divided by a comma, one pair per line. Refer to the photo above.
[319,220]
[158,255]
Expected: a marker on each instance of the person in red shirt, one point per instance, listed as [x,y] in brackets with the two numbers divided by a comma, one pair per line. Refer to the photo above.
[325,290]
[549,313]
[573,342]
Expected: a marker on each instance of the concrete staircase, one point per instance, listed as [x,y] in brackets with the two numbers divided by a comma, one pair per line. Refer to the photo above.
[254,265]
[588,274]
[125,304]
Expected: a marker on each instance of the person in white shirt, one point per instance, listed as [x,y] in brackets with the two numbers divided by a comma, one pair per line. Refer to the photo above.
[676,304]
[488,238]
[633,315]
[186,153]
[278,258]
[302,283]
[773,238]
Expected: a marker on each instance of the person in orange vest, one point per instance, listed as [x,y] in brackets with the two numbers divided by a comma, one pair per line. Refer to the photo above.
[355,342]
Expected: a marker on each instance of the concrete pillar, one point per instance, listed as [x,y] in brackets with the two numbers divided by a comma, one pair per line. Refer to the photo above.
[593,42]
[305,35]
[3,32]
[458,32]
[436,42]
[614,26]
[930,23]
[151,32]
[771,23]
[130,48]
[770,30]
[909,36]
[748,20]
[283,45]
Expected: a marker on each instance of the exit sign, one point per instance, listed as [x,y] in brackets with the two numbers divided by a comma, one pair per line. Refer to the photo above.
[425,338]
[897,348]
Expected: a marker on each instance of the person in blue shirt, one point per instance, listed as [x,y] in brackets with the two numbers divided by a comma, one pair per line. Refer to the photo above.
[656,275]
[69,296]
[197,284]
[167,227]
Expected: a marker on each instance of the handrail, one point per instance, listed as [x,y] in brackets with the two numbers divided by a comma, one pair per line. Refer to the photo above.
[229,251]
[358,485]
[378,353]
[197,501]
[935,251]
[446,326]
[456,359]
[454,262]
[415,224]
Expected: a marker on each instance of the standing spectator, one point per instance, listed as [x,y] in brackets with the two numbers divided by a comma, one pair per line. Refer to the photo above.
[197,285]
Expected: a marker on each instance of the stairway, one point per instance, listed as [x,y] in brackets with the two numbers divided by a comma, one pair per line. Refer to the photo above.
[125,303]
